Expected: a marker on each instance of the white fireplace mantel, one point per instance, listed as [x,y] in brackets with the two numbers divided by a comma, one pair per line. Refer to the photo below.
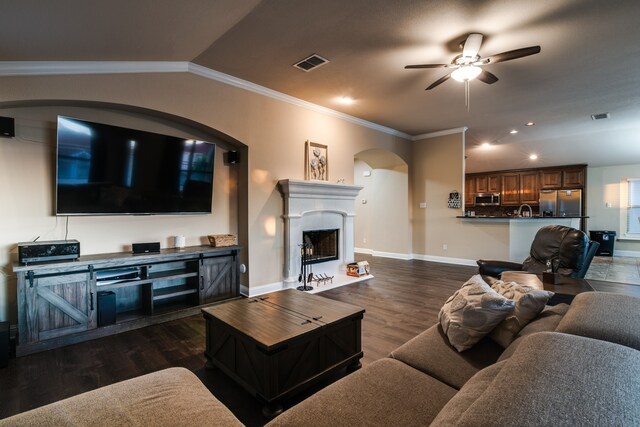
[313,205]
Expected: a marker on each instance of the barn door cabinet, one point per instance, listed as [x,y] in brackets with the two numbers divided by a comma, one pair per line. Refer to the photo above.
[58,302]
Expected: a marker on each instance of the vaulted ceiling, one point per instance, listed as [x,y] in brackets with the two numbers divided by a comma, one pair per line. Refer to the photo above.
[588,64]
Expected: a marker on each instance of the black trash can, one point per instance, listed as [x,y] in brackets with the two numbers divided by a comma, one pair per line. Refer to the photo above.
[606,240]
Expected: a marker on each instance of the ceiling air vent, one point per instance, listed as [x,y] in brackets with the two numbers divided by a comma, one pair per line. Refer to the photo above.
[600,116]
[313,61]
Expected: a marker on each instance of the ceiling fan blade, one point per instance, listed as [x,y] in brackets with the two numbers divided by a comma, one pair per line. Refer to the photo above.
[439,81]
[472,45]
[408,67]
[487,77]
[513,54]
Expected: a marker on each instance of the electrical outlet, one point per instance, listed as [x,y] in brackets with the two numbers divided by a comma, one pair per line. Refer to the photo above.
[364,240]
[423,205]
[444,247]
[608,205]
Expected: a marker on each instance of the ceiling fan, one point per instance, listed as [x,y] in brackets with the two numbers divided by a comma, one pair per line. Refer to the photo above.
[467,66]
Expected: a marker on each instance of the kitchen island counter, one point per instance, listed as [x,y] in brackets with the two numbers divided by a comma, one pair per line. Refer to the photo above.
[519,218]
[521,230]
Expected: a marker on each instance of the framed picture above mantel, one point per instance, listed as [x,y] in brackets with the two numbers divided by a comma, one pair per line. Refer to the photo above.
[316,161]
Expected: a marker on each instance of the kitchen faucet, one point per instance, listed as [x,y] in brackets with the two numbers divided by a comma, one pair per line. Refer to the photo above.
[520,209]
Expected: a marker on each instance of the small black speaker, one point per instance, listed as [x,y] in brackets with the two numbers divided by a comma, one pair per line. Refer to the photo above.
[145,248]
[106,308]
[7,127]
[233,157]
[4,344]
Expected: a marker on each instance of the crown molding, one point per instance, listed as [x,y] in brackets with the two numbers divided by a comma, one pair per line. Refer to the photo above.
[47,68]
[252,87]
[461,130]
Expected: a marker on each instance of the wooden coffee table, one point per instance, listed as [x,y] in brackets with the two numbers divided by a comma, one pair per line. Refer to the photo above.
[277,344]
[565,289]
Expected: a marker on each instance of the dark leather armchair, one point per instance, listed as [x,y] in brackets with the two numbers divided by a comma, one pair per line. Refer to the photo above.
[568,249]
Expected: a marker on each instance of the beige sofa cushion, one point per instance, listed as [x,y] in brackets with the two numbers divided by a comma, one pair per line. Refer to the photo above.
[431,353]
[552,379]
[547,321]
[384,393]
[472,312]
[604,316]
[171,397]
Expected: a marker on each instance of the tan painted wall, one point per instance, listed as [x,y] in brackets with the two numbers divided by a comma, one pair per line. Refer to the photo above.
[603,186]
[275,132]
[438,169]
[382,225]
[27,181]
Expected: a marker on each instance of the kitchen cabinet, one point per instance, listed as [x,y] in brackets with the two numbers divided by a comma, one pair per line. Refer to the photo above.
[550,179]
[487,183]
[510,183]
[481,184]
[529,192]
[469,190]
[567,177]
[493,183]
[519,188]
[573,177]
[523,186]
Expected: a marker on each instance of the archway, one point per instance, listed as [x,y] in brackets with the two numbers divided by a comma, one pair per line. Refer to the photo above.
[382,225]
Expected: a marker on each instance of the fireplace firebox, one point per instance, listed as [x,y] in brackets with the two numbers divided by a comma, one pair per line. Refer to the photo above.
[320,245]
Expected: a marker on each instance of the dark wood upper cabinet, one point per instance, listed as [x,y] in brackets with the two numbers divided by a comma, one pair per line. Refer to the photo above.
[493,183]
[550,179]
[523,186]
[469,190]
[510,183]
[573,177]
[529,192]
[482,184]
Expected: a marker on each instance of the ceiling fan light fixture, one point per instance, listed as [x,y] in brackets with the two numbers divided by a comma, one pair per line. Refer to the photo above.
[466,73]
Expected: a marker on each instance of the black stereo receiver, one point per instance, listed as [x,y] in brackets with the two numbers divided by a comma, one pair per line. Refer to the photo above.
[53,250]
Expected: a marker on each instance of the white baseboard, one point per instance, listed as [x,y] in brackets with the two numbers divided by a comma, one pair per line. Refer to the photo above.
[381,254]
[406,257]
[262,289]
[446,260]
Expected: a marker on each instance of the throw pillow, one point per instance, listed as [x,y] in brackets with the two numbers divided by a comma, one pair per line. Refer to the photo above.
[472,312]
[529,302]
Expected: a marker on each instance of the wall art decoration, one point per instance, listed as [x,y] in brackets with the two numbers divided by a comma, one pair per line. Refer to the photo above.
[454,200]
[316,162]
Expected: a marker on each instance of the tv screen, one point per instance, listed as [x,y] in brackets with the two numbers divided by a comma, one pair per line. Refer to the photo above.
[110,170]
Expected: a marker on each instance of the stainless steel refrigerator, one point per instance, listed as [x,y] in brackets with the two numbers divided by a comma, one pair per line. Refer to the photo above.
[561,203]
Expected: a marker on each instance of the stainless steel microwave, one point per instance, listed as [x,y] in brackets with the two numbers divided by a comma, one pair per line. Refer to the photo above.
[487,199]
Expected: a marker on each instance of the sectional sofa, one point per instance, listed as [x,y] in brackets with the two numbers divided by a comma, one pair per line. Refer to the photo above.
[571,365]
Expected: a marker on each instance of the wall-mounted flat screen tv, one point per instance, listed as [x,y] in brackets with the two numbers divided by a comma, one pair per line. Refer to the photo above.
[110,170]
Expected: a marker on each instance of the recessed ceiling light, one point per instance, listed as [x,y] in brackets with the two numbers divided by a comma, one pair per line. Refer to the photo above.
[513,132]
[485,145]
[533,157]
[530,123]
[347,100]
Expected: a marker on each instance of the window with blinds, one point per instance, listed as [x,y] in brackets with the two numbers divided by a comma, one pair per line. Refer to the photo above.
[633,209]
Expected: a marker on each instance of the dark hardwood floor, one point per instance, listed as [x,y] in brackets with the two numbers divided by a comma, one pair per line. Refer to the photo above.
[401,301]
